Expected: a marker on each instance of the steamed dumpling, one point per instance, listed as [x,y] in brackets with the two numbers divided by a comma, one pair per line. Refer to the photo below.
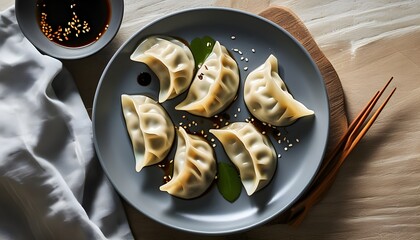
[215,85]
[150,128]
[251,152]
[194,167]
[267,98]
[171,61]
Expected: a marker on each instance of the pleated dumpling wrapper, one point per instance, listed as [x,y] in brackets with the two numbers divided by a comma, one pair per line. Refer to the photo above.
[251,152]
[172,62]
[214,86]
[150,129]
[267,98]
[194,167]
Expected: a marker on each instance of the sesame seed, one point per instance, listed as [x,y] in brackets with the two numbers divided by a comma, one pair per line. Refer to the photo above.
[279,155]
[246,59]
[242,58]
[235,50]
[240,53]
[285,149]
[214,145]
[239,109]
[290,145]
[245,68]
[233,37]
[253,50]
[297,140]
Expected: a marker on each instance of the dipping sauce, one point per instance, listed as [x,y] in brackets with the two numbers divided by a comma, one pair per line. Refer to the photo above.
[73,23]
[144,79]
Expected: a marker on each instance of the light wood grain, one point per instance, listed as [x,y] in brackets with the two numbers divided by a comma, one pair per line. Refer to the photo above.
[4,4]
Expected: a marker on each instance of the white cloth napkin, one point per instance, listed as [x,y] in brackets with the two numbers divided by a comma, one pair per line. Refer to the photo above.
[51,184]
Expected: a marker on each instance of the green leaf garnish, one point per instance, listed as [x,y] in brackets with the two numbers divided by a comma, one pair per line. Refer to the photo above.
[228,182]
[201,49]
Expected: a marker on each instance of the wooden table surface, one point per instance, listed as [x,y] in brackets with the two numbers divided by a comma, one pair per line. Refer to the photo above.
[377,193]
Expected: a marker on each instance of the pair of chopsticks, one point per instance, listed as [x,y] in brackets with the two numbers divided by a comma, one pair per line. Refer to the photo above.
[329,170]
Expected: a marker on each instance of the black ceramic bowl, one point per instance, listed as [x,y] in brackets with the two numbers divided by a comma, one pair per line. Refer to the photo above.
[26,14]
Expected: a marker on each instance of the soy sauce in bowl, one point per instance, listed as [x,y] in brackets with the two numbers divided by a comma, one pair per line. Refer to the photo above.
[73,23]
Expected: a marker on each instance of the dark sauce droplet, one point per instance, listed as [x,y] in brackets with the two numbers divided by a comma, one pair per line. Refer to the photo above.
[225,116]
[144,79]
[167,166]
[73,23]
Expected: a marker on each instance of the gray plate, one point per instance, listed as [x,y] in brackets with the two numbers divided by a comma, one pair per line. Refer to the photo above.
[210,213]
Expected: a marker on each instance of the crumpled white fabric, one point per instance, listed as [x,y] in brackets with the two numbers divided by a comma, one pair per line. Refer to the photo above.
[51,184]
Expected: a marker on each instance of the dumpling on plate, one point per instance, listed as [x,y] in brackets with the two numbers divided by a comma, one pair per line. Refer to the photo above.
[150,129]
[172,62]
[267,98]
[215,85]
[251,152]
[194,167]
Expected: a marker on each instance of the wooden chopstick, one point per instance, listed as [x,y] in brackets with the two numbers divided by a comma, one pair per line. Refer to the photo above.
[329,171]
[362,115]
